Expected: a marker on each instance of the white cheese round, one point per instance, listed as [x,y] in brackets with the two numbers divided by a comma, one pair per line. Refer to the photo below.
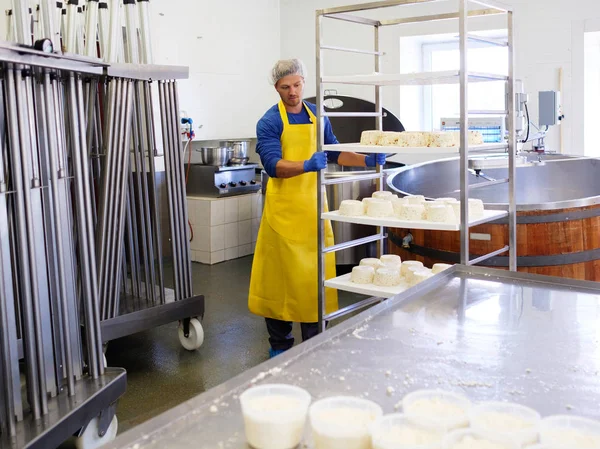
[351,208]
[362,274]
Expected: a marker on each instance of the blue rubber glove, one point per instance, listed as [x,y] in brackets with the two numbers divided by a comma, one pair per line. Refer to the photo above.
[375,159]
[318,161]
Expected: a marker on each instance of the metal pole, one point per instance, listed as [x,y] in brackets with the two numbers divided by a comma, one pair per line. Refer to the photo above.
[70,35]
[29,333]
[187,262]
[22,22]
[170,193]
[103,29]
[153,197]
[91,28]
[320,178]
[84,243]
[121,222]
[115,43]
[50,26]
[87,182]
[464,136]
[180,199]
[379,126]
[62,285]
[145,36]
[512,148]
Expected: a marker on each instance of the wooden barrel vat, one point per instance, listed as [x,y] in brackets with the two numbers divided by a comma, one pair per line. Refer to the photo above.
[551,240]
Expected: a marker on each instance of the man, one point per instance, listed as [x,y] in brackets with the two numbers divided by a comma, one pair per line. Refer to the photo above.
[283,285]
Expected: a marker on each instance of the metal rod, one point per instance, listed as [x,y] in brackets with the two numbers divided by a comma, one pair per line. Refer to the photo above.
[352,308]
[154,202]
[85,245]
[28,148]
[121,149]
[172,188]
[379,125]
[348,179]
[436,17]
[56,209]
[20,12]
[121,222]
[50,26]
[70,35]
[352,243]
[29,339]
[464,136]
[320,178]
[170,193]
[512,148]
[489,256]
[143,174]
[182,195]
[91,28]
[351,50]
[353,19]
[352,114]
[115,43]
[86,181]
[372,5]
[145,30]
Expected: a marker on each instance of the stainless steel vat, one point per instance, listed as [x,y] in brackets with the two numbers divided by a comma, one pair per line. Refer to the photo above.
[560,182]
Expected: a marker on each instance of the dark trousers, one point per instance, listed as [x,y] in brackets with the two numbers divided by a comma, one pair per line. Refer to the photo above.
[280,333]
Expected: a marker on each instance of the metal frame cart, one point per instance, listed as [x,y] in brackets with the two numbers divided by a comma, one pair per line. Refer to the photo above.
[378,80]
[49,309]
[128,135]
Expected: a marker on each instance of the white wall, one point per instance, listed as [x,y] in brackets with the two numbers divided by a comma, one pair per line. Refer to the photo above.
[229,47]
[549,37]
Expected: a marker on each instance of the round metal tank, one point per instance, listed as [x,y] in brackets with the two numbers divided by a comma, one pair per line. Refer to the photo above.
[558,215]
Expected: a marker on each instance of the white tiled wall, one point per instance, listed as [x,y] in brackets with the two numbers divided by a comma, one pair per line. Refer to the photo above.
[224,228]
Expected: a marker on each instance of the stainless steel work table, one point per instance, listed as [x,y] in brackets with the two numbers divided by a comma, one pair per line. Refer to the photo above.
[491,334]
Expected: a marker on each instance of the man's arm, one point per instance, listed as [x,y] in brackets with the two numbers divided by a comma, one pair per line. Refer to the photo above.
[288,169]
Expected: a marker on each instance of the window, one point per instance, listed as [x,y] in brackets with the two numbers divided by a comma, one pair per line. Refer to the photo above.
[443,101]
[591,93]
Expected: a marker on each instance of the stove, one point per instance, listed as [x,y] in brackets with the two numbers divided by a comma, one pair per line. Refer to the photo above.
[217,182]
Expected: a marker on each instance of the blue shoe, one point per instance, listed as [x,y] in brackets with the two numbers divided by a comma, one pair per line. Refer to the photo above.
[274,352]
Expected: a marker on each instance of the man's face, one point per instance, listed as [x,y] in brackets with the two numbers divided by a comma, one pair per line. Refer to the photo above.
[291,89]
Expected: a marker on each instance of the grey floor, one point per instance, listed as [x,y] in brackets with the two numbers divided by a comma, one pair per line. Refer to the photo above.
[161,374]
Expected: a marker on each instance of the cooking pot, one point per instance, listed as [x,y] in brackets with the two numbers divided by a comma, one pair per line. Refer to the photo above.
[216,156]
[239,148]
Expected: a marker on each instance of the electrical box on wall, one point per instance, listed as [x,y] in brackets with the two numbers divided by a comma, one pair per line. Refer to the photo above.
[550,108]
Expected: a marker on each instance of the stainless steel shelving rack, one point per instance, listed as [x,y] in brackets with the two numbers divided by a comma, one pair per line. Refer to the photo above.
[378,80]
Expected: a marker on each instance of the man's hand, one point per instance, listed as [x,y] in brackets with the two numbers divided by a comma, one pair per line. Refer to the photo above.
[318,161]
[375,159]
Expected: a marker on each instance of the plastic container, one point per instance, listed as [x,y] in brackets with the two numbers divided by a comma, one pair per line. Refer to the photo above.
[343,422]
[507,419]
[566,431]
[397,431]
[274,415]
[437,408]
[475,439]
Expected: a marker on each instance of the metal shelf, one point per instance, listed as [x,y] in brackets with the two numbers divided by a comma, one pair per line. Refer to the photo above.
[358,148]
[411,79]
[489,215]
[377,79]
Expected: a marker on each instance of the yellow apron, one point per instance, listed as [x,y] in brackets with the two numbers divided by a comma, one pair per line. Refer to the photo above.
[283,284]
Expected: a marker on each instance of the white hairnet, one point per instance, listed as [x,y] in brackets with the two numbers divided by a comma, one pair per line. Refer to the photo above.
[286,67]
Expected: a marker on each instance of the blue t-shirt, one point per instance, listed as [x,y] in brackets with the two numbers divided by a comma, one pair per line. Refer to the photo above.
[270,128]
